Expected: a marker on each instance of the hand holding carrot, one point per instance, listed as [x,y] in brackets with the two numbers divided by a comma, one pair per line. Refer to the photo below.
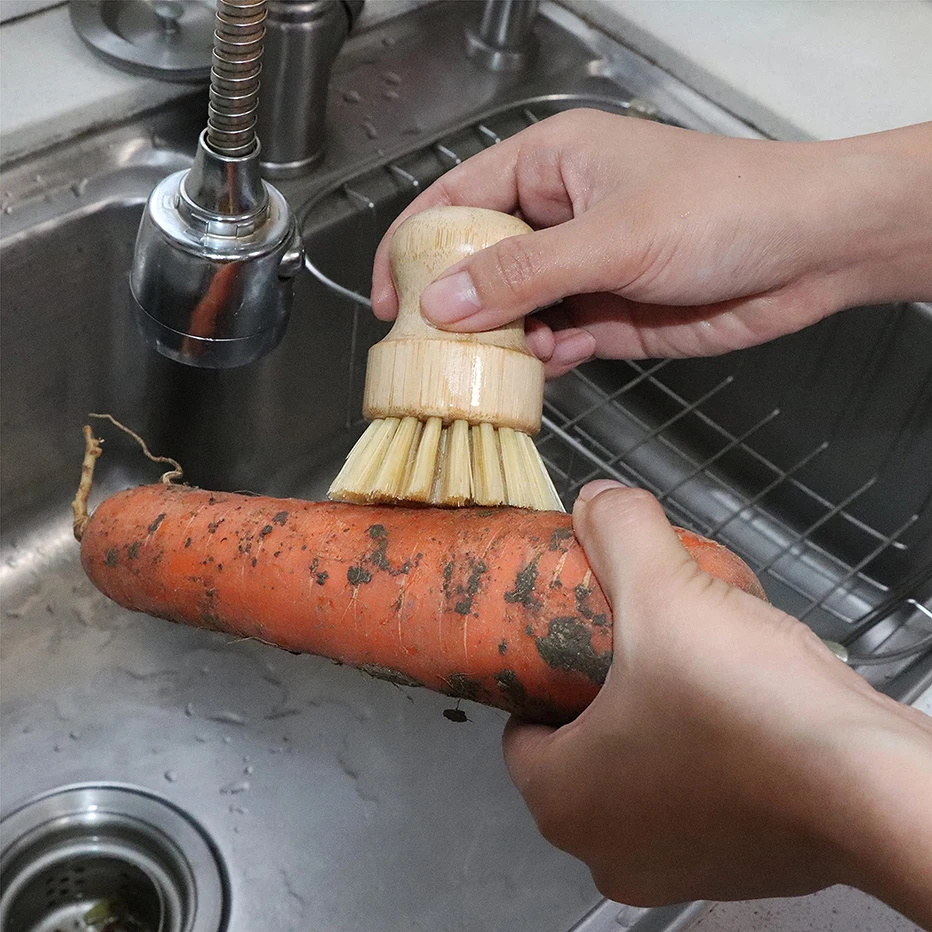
[661,241]
[730,754]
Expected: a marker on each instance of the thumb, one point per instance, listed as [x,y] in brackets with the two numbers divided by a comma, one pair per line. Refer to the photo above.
[631,546]
[519,274]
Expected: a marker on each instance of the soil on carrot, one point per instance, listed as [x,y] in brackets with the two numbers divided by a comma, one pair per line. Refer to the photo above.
[568,646]
[379,556]
[392,676]
[511,686]
[558,537]
[464,687]
[461,594]
[523,592]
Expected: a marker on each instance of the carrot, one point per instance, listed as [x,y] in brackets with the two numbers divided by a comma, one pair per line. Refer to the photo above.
[495,605]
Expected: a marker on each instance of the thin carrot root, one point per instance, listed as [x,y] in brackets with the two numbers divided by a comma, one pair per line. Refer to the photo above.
[175,473]
[92,450]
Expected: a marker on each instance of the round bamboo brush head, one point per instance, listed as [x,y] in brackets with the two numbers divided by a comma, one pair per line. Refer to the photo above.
[452,413]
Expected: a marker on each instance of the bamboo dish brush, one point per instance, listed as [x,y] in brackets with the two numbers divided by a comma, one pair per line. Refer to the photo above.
[451,414]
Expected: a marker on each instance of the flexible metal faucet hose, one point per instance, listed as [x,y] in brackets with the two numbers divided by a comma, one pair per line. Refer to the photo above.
[234,76]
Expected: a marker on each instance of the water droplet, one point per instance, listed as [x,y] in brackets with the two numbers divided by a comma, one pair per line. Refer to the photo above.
[57,748]
[389,94]
[227,718]
[352,97]
[231,789]
[170,775]
[388,41]
[389,77]
[248,769]
[77,189]
[205,671]
[238,810]
[75,735]
[8,210]
[200,739]
[27,729]
[369,128]
[226,739]
[189,710]
[236,829]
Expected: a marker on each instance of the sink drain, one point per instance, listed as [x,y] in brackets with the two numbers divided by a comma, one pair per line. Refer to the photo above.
[107,858]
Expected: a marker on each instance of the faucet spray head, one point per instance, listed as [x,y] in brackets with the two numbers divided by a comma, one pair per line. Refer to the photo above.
[218,247]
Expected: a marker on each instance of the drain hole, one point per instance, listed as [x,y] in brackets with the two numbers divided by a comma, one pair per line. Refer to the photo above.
[107,895]
[104,858]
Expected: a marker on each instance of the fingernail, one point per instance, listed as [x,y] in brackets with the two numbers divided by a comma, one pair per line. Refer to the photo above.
[450,299]
[540,342]
[591,489]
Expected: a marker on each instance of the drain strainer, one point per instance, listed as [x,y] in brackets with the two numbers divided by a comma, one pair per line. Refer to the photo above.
[107,858]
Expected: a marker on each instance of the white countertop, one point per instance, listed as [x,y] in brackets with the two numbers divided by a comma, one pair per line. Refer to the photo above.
[796,69]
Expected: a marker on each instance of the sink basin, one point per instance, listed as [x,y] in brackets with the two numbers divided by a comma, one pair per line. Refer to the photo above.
[332,800]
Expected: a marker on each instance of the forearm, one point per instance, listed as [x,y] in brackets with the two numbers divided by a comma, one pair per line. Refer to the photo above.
[881,817]
[872,205]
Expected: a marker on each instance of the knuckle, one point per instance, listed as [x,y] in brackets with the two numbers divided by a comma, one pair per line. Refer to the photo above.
[575,118]
[515,266]
[801,637]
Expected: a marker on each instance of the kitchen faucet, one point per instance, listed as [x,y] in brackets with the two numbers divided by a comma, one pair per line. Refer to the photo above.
[218,246]
[503,40]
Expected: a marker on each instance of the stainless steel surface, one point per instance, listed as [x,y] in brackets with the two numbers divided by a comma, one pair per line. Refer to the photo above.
[609,916]
[107,856]
[216,255]
[337,801]
[302,41]
[167,39]
[503,40]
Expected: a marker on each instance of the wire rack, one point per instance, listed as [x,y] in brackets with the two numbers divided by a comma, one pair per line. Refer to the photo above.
[810,515]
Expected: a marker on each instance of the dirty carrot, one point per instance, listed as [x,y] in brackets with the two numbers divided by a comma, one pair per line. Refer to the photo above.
[494,605]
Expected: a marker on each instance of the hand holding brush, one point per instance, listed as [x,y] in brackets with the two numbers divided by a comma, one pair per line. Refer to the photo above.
[452,414]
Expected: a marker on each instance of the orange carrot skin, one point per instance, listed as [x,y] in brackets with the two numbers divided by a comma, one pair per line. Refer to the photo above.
[494,605]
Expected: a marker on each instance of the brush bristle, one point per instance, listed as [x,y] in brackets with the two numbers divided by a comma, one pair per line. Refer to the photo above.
[409,460]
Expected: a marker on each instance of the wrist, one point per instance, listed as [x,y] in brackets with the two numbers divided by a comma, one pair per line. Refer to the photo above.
[874,814]
[870,209]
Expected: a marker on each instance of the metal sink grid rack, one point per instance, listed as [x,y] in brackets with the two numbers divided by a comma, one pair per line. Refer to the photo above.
[657,424]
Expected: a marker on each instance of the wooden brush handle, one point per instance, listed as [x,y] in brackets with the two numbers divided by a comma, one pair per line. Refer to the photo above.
[425,372]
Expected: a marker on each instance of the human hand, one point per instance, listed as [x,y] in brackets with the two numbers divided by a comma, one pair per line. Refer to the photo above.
[730,754]
[666,242]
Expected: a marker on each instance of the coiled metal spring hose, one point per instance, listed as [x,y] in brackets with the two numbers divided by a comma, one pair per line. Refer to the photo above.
[234,76]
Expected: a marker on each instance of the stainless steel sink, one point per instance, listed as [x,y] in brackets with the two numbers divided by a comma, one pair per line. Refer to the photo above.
[332,800]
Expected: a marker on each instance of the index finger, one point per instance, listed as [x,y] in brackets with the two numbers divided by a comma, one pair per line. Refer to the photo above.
[488,179]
